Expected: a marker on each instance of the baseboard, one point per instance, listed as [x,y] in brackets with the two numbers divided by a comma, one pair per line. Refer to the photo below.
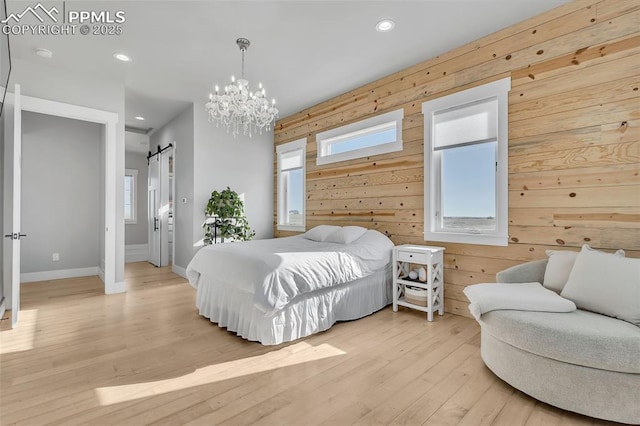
[119,287]
[2,307]
[180,271]
[136,253]
[59,274]
[101,274]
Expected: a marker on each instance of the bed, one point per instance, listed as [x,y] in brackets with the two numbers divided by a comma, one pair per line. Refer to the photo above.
[278,290]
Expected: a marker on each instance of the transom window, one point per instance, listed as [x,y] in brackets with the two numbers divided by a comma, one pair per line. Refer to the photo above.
[372,136]
[466,166]
[291,185]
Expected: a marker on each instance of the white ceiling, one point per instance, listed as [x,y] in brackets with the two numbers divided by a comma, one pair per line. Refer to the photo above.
[303,52]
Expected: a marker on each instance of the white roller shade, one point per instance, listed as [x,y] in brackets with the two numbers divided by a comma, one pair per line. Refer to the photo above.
[471,123]
[291,160]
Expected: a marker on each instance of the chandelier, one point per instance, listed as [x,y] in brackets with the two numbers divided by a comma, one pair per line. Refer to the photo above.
[238,107]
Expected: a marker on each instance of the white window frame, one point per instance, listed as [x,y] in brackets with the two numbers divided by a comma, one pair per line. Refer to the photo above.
[300,144]
[375,124]
[134,206]
[432,166]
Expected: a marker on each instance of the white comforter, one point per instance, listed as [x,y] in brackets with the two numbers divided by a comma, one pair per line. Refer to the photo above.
[275,271]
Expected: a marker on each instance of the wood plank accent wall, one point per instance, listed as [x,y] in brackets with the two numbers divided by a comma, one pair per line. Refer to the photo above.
[574,141]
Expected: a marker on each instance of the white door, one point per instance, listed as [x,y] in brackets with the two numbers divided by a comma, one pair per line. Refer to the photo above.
[14,221]
[165,206]
[154,210]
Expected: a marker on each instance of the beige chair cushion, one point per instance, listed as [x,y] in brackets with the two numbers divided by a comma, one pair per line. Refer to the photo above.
[580,337]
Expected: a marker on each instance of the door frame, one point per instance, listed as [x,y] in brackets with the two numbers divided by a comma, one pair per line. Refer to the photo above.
[111,178]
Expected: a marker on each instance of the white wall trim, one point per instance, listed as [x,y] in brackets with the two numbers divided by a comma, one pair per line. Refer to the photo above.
[101,274]
[76,112]
[118,287]
[29,277]
[179,270]
[2,307]
[136,253]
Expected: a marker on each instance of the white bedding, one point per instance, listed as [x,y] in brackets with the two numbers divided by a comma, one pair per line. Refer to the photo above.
[233,309]
[278,270]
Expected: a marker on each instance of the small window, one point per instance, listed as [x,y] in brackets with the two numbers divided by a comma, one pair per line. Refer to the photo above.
[376,135]
[291,185]
[466,137]
[130,196]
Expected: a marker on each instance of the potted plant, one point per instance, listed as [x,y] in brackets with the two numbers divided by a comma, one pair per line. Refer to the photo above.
[225,218]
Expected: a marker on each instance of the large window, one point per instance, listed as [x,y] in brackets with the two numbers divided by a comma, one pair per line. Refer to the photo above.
[466,166]
[130,196]
[291,185]
[372,136]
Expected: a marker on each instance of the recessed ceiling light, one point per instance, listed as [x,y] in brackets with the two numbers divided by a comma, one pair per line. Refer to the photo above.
[141,118]
[44,53]
[121,57]
[385,25]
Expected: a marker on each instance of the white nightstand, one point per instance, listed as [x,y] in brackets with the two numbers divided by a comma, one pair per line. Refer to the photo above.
[407,257]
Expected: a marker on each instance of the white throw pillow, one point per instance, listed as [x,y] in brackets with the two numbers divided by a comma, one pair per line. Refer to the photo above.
[320,232]
[607,284]
[346,234]
[558,269]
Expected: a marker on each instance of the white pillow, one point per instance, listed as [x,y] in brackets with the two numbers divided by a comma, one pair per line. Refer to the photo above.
[320,232]
[607,284]
[558,269]
[346,234]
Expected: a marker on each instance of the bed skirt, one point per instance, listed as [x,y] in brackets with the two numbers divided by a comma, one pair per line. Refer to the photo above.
[233,308]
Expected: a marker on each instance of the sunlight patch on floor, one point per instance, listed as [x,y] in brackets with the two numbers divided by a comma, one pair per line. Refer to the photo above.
[22,337]
[291,355]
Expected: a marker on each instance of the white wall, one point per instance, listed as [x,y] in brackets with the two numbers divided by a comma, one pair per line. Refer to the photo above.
[60,193]
[137,233]
[244,164]
[207,159]
[100,92]
[180,132]
[101,216]
[2,228]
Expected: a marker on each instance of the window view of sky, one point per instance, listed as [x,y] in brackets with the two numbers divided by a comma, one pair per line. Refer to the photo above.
[468,181]
[296,191]
[364,141]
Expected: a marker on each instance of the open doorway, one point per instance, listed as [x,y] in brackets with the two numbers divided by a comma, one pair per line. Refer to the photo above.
[62,197]
[136,238]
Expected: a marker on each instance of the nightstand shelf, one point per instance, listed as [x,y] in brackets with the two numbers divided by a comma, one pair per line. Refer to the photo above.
[432,259]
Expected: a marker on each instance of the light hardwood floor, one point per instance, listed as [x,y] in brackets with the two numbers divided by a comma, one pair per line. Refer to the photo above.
[80,357]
